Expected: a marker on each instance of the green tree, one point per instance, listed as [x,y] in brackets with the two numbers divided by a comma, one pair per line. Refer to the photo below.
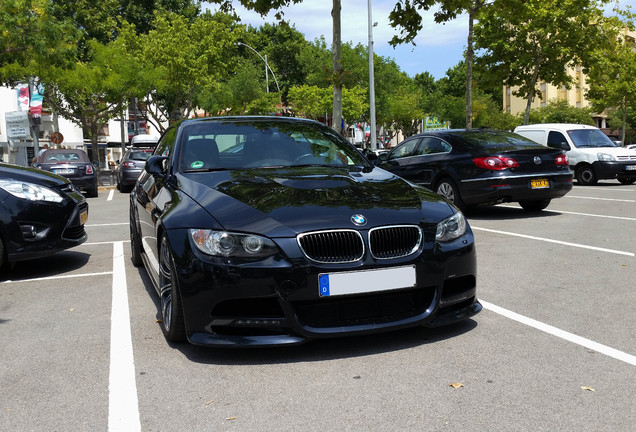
[263,7]
[612,77]
[559,111]
[90,93]
[537,40]
[405,16]
[188,58]
[310,101]
[32,38]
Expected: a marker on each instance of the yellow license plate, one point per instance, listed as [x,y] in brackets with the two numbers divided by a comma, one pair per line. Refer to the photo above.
[83,217]
[539,184]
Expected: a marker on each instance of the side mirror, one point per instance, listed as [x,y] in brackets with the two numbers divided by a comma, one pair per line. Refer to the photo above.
[384,157]
[156,165]
[565,146]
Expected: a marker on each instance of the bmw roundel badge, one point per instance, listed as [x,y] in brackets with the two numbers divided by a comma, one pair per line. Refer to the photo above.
[359,220]
[537,160]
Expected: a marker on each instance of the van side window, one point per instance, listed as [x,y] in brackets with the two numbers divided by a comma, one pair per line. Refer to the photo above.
[557,140]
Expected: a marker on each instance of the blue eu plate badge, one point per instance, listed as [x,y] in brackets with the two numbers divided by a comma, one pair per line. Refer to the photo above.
[324,285]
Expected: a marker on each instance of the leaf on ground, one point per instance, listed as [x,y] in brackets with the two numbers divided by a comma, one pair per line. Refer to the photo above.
[587,388]
[456,385]
[208,403]
[231,418]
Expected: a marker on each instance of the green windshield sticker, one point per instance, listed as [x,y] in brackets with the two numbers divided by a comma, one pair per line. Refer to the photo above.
[196,164]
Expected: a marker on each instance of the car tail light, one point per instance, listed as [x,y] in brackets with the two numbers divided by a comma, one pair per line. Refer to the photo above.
[495,162]
[89,169]
[128,165]
[562,159]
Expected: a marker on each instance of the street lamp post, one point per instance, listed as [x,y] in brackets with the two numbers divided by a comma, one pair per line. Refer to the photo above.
[266,67]
[372,137]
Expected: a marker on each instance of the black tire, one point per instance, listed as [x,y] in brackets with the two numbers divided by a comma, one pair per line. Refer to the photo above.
[449,190]
[92,193]
[135,242]
[534,206]
[2,256]
[585,176]
[626,181]
[173,325]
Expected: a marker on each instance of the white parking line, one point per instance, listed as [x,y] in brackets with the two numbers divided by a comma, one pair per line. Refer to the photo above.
[613,251]
[110,195]
[123,405]
[579,214]
[58,277]
[600,199]
[571,337]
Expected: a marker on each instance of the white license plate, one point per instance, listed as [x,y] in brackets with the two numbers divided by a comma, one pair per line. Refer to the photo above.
[630,168]
[64,171]
[366,281]
[83,217]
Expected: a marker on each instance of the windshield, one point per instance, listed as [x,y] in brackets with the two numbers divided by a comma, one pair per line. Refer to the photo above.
[244,144]
[589,138]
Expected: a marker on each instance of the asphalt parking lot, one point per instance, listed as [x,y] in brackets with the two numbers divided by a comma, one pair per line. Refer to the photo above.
[553,350]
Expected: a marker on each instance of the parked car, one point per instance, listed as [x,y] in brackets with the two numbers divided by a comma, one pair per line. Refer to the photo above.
[482,167]
[73,164]
[41,214]
[129,168]
[295,237]
[144,140]
[593,156]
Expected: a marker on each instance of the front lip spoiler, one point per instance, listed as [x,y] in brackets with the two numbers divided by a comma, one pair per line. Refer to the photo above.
[535,175]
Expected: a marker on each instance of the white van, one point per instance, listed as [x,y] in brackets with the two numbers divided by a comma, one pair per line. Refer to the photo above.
[144,140]
[593,156]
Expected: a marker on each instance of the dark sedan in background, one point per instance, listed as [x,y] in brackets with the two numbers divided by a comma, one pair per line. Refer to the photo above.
[40,214]
[268,230]
[73,164]
[482,167]
[129,168]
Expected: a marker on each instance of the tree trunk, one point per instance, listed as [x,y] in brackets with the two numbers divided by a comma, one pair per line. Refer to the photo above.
[470,56]
[531,93]
[624,121]
[337,69]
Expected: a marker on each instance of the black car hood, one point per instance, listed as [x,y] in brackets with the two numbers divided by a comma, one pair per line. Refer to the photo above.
[286,202]
[32,175]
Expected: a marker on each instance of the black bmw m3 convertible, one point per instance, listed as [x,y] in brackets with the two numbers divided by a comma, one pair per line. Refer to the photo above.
[260,231]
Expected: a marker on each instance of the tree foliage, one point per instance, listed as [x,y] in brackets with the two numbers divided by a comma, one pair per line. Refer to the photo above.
[537,40]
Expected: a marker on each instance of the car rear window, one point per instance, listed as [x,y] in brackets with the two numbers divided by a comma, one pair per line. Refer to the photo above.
[140,155]
[496,141]
[66,156]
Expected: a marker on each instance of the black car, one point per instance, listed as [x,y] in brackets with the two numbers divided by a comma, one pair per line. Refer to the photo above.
[482,167]
[40,214]
[296,236]
[73,164]
[129,168]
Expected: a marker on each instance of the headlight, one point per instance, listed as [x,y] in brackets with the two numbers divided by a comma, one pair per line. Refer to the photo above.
[451,228]
[605,157]
[235,245]
[30,191]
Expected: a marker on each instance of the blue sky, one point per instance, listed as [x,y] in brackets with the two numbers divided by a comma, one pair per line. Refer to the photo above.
[438,46]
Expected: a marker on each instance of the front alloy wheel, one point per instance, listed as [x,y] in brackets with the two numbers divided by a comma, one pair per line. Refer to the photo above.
[170,303]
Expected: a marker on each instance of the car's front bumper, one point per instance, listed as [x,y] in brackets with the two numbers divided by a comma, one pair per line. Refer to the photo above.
[614,169]
[277,301]
[515,188]
[39,230]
